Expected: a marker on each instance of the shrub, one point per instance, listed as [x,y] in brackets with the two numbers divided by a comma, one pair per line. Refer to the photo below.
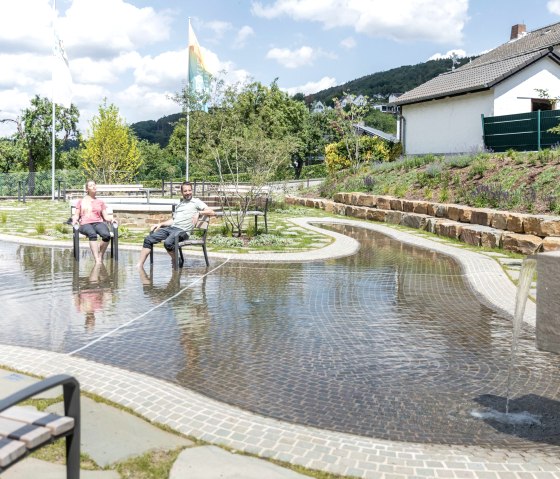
[40,228]
[4,217]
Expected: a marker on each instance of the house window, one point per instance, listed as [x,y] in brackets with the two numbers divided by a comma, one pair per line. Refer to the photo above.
[540,104]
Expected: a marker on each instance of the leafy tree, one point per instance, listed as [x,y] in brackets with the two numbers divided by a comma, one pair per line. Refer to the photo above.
[382,121]
[12,155]
[34,133]
[158,163]
[111,153]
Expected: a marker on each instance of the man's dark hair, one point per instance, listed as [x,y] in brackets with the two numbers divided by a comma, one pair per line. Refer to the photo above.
[186,183]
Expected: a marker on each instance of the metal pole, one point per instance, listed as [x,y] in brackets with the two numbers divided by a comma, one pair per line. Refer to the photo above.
[187,126]
[53,108]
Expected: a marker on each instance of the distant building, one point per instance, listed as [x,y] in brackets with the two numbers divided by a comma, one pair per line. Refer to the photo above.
[443,115]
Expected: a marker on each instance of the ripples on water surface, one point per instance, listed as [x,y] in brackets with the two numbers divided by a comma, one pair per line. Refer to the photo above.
[389,343]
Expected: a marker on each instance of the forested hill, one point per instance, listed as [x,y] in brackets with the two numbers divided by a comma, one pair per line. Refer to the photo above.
[156,131]
[396,80]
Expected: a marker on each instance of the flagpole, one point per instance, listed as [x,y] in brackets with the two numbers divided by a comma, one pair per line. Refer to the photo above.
[53,106]
[187,126]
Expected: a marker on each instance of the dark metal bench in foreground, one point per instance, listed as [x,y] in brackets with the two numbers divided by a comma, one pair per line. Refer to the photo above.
[24,430]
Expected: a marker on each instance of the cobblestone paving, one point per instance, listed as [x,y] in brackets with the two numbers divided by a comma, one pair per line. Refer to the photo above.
[404,374]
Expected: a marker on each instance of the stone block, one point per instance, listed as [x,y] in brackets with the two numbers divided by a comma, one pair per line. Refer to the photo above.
[431,209]
[479,235]
[431,224]
[551,243]
[466,214]
[330,206]
[384,202]
[548,302]
[441,211]
[394,217]
[396,204]
[482,216]
[339,197]
[454,212]
[515,222]
[375,214]
[420,207]
[367,200]
[542,225]
[413,220]
[524,244]
[357,212]
[499,220]
[448,228]
[408,206]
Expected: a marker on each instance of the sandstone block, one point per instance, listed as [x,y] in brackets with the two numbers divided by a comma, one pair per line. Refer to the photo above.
[396,204]
[524,244]
[551,243]
[384,202]
[329,206]
[414,220]
[515,222]
[499,220]
[479,235]
[339,197]
[407,206]
[448,228]
[482,216]
[431,224]
[420,207]
[394,217]
[454,212]
[376,214]
[367,200]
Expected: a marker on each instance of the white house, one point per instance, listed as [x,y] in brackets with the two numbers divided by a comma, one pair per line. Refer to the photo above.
[443,115]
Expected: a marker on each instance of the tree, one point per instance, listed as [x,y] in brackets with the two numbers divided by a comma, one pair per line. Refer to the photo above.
[158,163]
[34,133]
[12,155]
[111,153]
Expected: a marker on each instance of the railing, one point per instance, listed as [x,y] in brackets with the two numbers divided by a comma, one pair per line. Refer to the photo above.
[522,131]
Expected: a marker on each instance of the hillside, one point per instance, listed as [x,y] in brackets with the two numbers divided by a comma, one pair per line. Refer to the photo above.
[157,131]
[396,80]
[515,181]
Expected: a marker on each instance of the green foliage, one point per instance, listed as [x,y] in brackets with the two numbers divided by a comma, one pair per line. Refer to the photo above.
[381,121]
[270,240]
[41,228]
[399,79]
[111,153]
[314,171]
[3,217]
[159,131]
[158,163]
[12,155]
[225,241]
[62,228]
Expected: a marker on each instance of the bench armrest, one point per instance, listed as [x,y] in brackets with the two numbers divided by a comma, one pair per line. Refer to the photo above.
[71,388]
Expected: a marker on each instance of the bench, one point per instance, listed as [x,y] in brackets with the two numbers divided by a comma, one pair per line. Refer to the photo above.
[111,190]
[24,430]
[258,207]
[113,231]
[199,240]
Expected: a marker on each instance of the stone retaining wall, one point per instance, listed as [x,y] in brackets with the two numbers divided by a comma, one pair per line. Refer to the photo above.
[521,233]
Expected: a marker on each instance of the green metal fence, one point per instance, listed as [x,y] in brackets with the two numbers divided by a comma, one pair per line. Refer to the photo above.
[522,131]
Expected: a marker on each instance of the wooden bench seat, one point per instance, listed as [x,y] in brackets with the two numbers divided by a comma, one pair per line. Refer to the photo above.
[110,190]
[24,430]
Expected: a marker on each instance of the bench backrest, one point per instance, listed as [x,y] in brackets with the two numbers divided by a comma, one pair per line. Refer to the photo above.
[109,188]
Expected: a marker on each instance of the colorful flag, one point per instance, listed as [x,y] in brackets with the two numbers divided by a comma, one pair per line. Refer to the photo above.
[61,77]
[199,77]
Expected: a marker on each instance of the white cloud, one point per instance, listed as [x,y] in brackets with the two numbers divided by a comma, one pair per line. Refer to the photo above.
[554,6]
[219,28]
[458,53]
[401,20]
[24,26]
[292,58]
[348,43]
[105,28]
[242,35]
[312,87]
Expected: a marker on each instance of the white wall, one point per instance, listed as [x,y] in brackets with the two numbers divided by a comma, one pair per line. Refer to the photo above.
[514,94]
[450,125]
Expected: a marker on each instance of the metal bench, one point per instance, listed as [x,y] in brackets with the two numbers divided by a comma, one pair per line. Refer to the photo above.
[24,430]
[199,240]
[258,207]
[113,230]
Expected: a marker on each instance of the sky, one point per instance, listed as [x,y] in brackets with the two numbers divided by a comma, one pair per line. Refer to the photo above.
[133,53]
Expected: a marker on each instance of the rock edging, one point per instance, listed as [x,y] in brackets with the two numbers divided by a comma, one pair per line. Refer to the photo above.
[517,232]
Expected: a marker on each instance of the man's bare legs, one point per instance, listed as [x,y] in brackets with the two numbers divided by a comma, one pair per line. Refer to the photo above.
[145,252]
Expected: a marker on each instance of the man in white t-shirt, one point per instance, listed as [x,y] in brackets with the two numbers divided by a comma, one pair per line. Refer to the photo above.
[183,221]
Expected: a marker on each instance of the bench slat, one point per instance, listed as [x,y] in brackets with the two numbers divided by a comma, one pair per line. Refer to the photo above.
[10,450]
[32,436]
[56,424]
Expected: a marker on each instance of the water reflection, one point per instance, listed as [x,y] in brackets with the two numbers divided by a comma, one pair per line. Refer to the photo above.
[94,292]
[391,342]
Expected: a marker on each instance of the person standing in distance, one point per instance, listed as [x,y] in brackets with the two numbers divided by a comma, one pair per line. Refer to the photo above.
[183,221]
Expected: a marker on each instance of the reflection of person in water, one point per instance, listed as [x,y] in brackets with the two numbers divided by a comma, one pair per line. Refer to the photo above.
[93,296]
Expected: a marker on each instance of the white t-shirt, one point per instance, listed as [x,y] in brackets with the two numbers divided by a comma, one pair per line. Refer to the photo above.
[185,212]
